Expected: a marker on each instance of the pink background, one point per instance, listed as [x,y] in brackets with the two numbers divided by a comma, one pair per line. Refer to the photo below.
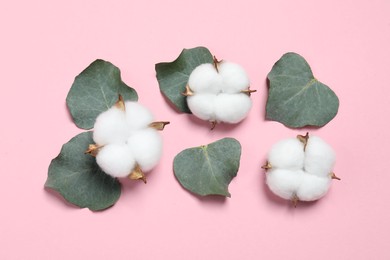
[45,44]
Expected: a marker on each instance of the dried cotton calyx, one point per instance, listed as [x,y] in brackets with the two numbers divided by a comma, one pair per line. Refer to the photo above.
[127,142]
[219,92]
[300,169]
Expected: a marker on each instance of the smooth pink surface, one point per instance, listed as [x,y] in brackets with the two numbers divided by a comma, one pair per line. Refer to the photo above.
[45,44]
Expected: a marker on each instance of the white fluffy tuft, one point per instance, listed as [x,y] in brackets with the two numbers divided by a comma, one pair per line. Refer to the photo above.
[319,157]
[110,127]
[137,116]
[284,183]
[202,105]
[287,154]
[116,160]
[146,147]
[232,108]
[313,187]
[234,77]
[205,79]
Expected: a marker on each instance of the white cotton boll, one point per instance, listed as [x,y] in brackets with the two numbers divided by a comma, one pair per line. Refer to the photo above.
[202,105]
[319,157]
[288,154]
[284,183]
[313,187]
[137,116]
[232,108]
[110,127]
[146,147]
[116,160]
[234,77]
[205,79]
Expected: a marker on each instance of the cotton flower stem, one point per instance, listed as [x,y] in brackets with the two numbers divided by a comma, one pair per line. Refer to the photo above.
[248,91]
[159,125]
[120,103]
[333,176]
[295,200]
[267,166]
[304,139]
[93,149]
[137,174]
[188,92]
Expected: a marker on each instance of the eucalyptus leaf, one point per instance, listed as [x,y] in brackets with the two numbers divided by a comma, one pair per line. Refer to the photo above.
[78,178]
[296,98]
[95,90]
[208,169]
[173,76]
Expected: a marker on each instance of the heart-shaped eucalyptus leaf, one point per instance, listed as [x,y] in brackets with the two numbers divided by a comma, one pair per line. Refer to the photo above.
[173,76]
[95,90]
[78,178]
[208,169]
[296,98]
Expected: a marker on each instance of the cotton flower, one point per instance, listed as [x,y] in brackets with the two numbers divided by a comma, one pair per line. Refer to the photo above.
[127,141]
[219,92]
[300,169]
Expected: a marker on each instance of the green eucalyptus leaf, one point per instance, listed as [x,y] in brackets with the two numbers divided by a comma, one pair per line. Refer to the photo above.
[78,178]
[173,76]
[296,98]
[95,90]
[208,169]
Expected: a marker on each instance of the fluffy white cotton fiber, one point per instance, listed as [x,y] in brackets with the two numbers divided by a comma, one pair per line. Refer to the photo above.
[313,187]
[205,79]
[217,93]
[202,105]
[137,116]
[125,139]
[298,171]
[146,147]
[234,77]
[110,127]
[284,183]
[232,108]
[319,157]
[287,154]
[116,160]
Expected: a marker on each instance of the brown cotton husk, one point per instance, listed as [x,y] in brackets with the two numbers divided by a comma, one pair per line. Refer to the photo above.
[267,166]
[216,62]
[304,139]
[333,176]
[295,200]
[159,125]
[93,149]
[188,92]
[248,91]
[137,174]
[213,124]
[120,103]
